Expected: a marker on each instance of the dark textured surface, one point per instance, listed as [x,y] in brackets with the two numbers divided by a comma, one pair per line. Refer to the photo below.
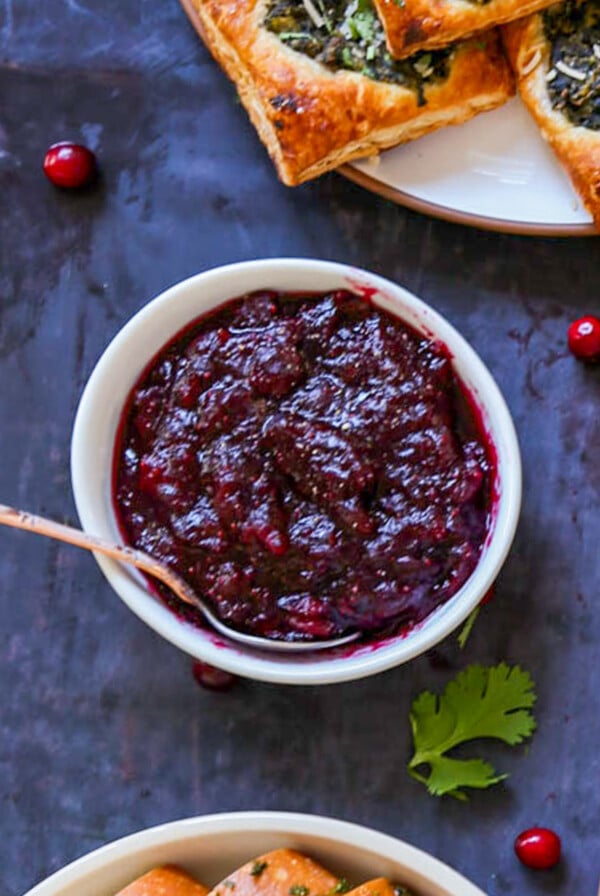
[102,728]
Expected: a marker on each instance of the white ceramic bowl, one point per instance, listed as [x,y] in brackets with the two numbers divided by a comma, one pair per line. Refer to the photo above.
[213,846]
[120,367]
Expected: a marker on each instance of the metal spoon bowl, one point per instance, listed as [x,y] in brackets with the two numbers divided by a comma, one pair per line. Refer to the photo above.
[21,519]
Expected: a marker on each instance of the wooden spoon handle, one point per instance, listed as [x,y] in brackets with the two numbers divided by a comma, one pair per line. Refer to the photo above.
[20,519]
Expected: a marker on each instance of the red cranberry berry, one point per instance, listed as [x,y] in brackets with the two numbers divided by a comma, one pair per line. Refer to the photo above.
[212,678]
[488,596]
[584,338]
[538,848]
[69,165]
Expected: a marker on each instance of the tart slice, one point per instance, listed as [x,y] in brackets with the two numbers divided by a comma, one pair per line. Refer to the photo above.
[556,58]
[412,25]
[321,91]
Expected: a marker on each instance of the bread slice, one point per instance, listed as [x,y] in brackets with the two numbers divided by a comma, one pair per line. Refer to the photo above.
[313,117]
[167,880]
[282,872]
[577,147]
[414,25]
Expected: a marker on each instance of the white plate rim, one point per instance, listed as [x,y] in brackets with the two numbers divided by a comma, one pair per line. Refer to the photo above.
[447,213]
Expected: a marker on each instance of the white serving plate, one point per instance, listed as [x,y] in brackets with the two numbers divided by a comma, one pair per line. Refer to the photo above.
[211,847]
[494,172]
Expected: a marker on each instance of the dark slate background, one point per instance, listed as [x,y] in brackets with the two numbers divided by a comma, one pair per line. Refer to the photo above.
[103,730]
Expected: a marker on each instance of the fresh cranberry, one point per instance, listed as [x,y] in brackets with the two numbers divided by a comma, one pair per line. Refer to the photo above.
[488,597]
[212,678]
[69,165]
[584,338]
[538,848]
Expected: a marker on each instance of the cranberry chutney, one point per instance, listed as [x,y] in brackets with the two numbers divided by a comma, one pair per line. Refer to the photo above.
[308,464]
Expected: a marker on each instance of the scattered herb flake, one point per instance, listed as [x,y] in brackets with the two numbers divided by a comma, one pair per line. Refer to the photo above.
[258,868]
[423,64]
[363,23]
[299,890]
[480,702]
[342,886]
[293,35]
[347,57]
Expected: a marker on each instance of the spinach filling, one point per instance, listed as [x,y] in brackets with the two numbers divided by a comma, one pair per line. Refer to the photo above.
[347,34]
[573,29]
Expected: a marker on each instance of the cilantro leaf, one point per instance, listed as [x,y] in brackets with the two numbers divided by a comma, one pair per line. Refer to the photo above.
[480,702]
[446,774]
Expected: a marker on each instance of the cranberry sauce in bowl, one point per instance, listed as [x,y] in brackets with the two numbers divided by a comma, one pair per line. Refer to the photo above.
[309,464]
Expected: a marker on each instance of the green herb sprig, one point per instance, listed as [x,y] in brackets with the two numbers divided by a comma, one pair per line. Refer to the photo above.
[480,702]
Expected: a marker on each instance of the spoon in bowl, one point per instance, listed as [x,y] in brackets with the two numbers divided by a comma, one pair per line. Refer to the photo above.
[20,519]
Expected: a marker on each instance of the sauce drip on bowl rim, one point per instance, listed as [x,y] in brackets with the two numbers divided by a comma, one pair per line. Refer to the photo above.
[309,464]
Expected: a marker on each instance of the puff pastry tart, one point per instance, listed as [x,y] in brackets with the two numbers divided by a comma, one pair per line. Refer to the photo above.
[412,25]
[556,57]
[321,88]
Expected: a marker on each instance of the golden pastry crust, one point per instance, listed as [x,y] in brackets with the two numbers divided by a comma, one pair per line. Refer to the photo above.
[577,148]
[426,24]
[312,119]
